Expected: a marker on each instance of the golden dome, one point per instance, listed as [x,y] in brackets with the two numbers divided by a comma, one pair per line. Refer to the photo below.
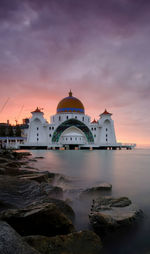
[70,104]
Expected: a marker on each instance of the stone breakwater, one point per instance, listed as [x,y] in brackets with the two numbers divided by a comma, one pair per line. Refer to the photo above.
[34,218]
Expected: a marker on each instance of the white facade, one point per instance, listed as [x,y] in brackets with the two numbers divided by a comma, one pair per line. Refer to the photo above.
[71,129]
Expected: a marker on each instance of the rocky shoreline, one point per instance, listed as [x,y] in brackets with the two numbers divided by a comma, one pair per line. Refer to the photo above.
[34,218]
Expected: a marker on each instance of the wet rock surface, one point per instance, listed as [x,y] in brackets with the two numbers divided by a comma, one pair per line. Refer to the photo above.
[39,177]
[108,213]
[19,193]
[12,243]
[83,242]
[102,188]
[11,162]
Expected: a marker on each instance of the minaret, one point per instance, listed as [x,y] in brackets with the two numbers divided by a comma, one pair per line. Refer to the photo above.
[70,93]
[37,132]
[107,136]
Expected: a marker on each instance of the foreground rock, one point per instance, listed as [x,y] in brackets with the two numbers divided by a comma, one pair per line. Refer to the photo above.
[11,162]
[39,177]
[9,154]
[63,206]
[83,242]
[12,243]
[100,189]
[108,213]
[44,219]
[20,193]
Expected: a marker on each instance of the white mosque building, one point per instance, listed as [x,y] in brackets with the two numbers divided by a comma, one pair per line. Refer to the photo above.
[71,128]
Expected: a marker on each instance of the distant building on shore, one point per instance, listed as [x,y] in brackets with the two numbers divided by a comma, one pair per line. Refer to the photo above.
[71,128]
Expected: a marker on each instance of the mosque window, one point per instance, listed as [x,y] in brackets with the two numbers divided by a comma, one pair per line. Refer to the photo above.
[49,128]
[70,138]
[95,129]
[37,128]
[66,138]
[106,139]
[106,129]
[75,138]
[83,118]
[37,139]
[92,129]
[52,128]
[37,134]
[67,117]
[50,135]
[94,136]
[59,118]
[106,135]
[75,117]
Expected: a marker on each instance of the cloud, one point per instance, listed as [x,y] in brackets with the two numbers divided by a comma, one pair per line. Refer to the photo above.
[99,49]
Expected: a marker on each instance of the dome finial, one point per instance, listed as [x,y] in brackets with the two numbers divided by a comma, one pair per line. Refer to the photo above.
[70,93]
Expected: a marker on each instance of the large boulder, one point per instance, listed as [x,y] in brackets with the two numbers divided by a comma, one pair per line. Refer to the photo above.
[83,242]
[44,219]
[12,243]
[108,213]
[63,206]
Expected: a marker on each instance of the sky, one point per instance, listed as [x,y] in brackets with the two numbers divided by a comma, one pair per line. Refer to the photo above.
[98,49]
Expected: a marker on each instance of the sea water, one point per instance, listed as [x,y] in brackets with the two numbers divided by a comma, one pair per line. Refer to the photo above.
[127,170]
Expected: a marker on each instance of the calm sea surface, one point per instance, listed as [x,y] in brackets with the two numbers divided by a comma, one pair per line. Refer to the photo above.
[127,171]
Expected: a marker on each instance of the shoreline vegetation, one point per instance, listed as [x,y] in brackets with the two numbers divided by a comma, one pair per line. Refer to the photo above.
[35,218]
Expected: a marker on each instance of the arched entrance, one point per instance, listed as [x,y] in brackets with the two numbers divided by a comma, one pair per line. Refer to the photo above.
[70,123]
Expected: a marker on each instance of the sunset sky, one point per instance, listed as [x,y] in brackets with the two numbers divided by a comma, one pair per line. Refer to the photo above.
[100,49]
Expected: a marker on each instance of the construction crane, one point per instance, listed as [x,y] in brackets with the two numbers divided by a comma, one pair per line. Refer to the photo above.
[16,119]
[4,105]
